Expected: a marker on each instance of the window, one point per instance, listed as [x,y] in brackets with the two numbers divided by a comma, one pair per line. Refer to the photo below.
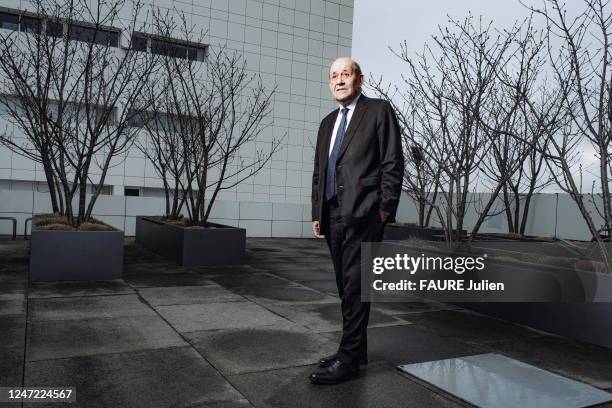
[93,35]
[9,21]
[55,29]
[136,120]
[163,47]
[139,42]
[168,46]
[107,116]
[132,192]
[31,25]
[197,53]
[16,21]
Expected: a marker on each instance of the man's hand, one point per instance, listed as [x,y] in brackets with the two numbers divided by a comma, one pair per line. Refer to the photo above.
[383,216]
[316,229]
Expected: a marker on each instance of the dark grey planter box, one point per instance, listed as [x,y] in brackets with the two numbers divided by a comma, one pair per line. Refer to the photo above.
[221,245]
[588,322]
[76,255]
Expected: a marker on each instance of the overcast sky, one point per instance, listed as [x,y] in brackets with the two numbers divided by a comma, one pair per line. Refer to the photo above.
[380,24]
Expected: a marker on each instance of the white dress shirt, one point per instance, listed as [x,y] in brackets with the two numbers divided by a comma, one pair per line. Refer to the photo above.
[349,115]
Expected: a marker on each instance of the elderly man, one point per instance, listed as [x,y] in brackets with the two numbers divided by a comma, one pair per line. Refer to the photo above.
[356,186]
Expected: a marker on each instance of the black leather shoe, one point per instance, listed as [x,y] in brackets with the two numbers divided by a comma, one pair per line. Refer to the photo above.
[326,361]
[335,373]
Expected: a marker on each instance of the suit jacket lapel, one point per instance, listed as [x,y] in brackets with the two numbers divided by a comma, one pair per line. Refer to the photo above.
[354,123]
[328,136]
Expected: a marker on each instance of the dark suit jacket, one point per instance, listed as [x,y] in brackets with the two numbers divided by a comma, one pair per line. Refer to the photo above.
[370,164]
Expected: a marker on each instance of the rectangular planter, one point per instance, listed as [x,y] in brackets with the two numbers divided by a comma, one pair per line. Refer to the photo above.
[76,255]
[588,322]
[221,245]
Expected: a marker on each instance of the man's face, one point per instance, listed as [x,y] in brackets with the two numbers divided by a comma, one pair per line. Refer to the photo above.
[344,82]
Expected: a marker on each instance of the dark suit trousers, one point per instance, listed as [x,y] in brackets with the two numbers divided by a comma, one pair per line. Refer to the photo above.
[344,243]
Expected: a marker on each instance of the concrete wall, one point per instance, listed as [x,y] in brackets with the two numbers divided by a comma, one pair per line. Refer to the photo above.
[291,45]
[553,215]
[550,215]
[259,219]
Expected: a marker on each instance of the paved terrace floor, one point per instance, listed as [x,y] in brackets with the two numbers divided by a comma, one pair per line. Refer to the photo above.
[169,336]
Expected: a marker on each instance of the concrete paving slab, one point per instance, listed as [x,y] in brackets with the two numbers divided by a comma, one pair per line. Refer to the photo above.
[71,338]
[12,290]
[157,279]
[327,317]
[227,270]
[400,308]
[376,386]
[258,279]
[261,348]
[494,381]
[13,273]
[78,288]
[12,331]
[303,264]
[172,377]
[304,274]
[409,344]
[15,306]
[13,251]
[185,295]
[243,403]
[146,268]
[11,367]
[214,316]
[88,307]
[325,286]
[570,358]
[470,327]
[291,293]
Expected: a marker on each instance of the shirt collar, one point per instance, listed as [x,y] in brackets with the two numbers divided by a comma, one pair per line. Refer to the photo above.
[351,106]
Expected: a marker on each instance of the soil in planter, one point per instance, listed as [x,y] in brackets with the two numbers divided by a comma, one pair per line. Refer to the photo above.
[57,222]
[510,236]
[184,222]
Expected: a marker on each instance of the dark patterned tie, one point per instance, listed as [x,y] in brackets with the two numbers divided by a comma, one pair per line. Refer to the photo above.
[330,183]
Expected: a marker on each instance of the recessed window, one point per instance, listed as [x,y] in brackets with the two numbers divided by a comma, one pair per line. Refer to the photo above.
[93,35]
[31,25]
[132,192]
[55,28]
[9,21]
[169,47]
[139,42]
[163,47]
[135,120]
[197,53]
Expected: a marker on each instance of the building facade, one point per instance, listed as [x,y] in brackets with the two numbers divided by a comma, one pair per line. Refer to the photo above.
[290,44]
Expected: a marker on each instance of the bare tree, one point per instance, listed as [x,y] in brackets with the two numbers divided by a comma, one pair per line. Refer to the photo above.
[449,86]
[203,114]
[579,52]
[69,89]
[421,179]
[516,167]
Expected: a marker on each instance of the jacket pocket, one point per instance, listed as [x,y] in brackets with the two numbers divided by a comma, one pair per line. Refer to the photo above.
[370,181]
